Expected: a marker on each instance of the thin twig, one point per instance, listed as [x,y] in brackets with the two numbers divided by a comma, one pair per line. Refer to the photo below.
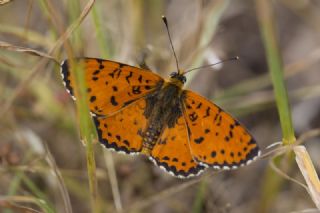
[15,48]
[283,174]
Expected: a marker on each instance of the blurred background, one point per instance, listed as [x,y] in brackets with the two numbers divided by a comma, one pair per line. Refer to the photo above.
[42,157]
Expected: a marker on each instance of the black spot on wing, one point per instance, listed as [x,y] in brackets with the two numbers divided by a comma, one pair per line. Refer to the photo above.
[199,105]
[207,112]
[115,89]
[230,134]
[113,101]
[199,140]
[93,98]
[115,73]
[129,76]
[166,158]
[213,154]
[96,72]
[193,116]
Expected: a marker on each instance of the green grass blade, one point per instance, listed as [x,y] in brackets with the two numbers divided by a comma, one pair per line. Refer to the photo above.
[273,182]
[200,197]
[38,193]
[106,51]
[269,36]
[87,133]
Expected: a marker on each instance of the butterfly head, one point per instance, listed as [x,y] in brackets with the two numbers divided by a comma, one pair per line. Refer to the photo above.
[178,78]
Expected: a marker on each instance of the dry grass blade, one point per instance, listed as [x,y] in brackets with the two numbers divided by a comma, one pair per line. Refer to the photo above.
[306,211]
[2,2]
[308,171]
[27,22]
[15,48]
[304,162]
[274,152]
[9,201]
[113,180]
[283,149]
[283,174]
[62,186]
[73,26]
[17,208]
[307,135]
[44,61]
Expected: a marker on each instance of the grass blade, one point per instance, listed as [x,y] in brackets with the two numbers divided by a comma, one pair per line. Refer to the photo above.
[267,28]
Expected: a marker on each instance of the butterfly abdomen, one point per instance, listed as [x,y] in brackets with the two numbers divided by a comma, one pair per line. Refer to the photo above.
[162,110]
[150,137]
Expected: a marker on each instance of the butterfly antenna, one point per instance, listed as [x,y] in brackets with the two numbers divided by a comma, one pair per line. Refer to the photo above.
[210,65]
[174,53]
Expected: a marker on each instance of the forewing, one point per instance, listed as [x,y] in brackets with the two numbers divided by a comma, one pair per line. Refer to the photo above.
[172,152]
[111,85]
[216,139]
[121,132]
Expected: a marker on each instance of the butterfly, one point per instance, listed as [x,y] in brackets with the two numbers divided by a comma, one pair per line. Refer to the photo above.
[136,111]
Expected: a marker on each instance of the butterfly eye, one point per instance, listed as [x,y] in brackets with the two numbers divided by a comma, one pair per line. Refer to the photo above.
[173,74]
[183,79]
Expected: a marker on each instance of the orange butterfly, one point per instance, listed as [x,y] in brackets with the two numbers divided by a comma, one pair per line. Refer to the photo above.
[137,111]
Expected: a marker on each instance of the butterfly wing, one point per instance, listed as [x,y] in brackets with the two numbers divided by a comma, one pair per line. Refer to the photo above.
[172,152]
[216,139]
[121,132]
[111,85]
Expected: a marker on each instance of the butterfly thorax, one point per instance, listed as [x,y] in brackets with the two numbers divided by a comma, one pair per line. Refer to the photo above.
[162,111]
